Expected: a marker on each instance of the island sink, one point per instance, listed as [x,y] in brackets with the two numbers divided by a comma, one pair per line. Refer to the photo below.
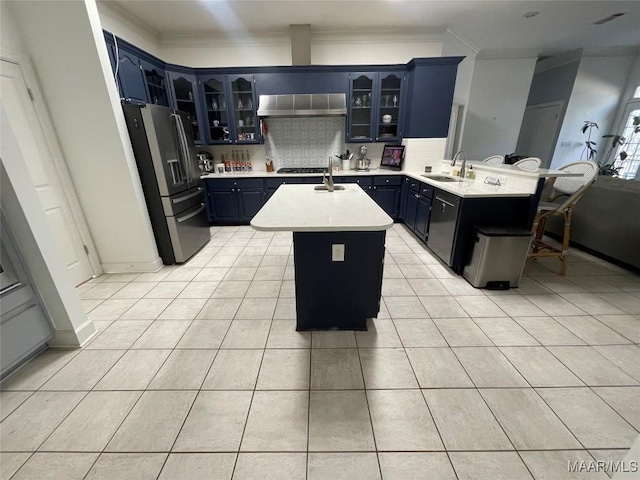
[326,189]
[442,178]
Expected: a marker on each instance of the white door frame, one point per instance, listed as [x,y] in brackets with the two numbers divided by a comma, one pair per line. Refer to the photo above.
[60,167]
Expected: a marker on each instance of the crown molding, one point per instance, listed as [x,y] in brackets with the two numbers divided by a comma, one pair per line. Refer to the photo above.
[507,53]
[222,39]
[612,52]
[117,13]
[367,35]
[559,60]
[464,41]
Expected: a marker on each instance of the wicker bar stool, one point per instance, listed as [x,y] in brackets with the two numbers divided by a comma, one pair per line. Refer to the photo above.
[530,164]
[565,194]
[495,160]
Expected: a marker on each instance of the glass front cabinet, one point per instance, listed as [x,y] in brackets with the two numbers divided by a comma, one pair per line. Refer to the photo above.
[245,128]
[186,98]
[217,108]
[375,106]
[156,83]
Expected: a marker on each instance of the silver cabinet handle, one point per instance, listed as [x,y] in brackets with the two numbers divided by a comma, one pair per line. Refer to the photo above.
[187,197]
[416,195]
[444,201]
[187,217]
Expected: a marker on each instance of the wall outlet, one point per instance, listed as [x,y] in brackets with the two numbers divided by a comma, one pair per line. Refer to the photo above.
[337,252]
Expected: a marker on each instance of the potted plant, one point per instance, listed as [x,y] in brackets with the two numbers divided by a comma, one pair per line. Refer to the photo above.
[589,145]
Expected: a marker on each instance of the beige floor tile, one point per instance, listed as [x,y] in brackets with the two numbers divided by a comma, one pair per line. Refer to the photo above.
[231,289]
[396,287]
[154,276]
[199,290]
[612,459]
[516,305]
[560,285]
[464,420]
[283,335]
[255,250]
[405,259]
[540,368]
[162,334]
[167,290]
[285,309]
[111,309]
[391,271]
[554,305]
[183,309]
[222,261]
[10,462]
[54,466]
[134,370]
[182,274]
[211,274]
[84,371]
[443,307]
[626,357]
[547,331]
[554,465]
[247,334]
[479,306]
[234,370]
[183,370]
[380,333]
[334,339]
[215,423]
[405,307]
[90,426]
[277,421]
[120,335]
[125,466]
[31,423]
[134,290]
[528,422]
[248,261]
[462,332]
[626,325]
[387,368]
[419,333]
[413,466]
[264,289]
[401,421]
[89,305]
[591,331]
[288,289]
[154,423]
[624,400]
[219,309]
[271,466]
[198,466]
[256,309]
[592,304]
[488,368]
[438,368]
[505,332]
[275,260]
[440,271]
[9,401]
[339,421]
[343,466]
[335,369]
[270,273]
[241,273]
[35,373]
[103,290]
[489,466]
[589,418]
[207,334]
[146,309]
[284,369]
[592,367]
[427,286]
[459,286]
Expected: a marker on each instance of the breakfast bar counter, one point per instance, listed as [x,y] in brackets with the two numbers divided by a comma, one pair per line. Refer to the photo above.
[338,244]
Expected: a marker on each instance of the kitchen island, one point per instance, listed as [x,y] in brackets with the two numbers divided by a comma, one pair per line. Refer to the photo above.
[338,245]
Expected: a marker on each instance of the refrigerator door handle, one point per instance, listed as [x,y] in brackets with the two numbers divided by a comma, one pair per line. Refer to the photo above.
[187,197]
[193,214]
[182,138]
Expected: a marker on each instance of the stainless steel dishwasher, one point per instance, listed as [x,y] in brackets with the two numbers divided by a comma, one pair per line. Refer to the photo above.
[442,227]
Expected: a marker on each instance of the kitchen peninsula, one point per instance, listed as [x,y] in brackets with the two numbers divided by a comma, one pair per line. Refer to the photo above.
[338,242]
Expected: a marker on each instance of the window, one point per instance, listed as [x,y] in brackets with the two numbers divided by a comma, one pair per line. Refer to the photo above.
[628,168]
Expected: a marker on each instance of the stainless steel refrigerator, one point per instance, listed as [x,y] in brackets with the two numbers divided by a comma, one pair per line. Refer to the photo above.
[163,146]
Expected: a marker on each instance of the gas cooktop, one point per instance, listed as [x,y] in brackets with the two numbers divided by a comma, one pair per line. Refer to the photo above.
[301,170]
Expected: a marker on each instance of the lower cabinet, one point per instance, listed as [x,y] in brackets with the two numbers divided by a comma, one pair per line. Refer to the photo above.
[417,207]
[234,201]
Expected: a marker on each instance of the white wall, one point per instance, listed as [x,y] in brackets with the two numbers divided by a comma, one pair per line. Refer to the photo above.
[497,101]
[596,95]
[64,41]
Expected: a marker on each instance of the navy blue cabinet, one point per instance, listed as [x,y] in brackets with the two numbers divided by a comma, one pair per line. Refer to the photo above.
[131,77]
[234,200]
[222,205]
[217,116]
[386,193]
[245,124]
[361,99]
[186,98]
[388,111]
[301,80]
[417,206]
[156,83]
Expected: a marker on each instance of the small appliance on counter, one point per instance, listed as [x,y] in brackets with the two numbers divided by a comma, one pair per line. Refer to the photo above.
[363,163]
[205,162]
[392,156]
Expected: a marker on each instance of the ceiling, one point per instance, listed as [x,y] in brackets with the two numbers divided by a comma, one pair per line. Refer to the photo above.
[484,25]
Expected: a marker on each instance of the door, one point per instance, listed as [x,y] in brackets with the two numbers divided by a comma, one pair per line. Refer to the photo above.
[539,131]
[54,188]
[411,209]
[251,201]
[422,217]
[223,205]
[387,199]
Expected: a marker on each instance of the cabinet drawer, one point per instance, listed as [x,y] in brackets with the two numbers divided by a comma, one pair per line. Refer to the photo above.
[362,181]
[276,182]
[426,190]
[414,185]
[229,183]
[391,181]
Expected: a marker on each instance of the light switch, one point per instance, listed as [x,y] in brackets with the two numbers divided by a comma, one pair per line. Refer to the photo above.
[337,252]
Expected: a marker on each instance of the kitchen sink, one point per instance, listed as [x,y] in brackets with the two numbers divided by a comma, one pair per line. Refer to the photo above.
[442,178]
[324,187]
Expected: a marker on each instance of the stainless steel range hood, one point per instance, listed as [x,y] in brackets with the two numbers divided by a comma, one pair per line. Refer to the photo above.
[303,105]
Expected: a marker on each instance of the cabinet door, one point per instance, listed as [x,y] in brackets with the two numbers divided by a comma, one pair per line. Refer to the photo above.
[361,99]
[216,108]
[185,98]
[442,226]
[404,192]
[244,105]
[387,199]
[422,217]
[156,83]
[223,205]
[388,106]
[131,77]
[412,208]
[250,202]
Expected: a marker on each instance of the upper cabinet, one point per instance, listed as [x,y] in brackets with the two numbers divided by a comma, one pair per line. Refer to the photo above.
[244,106]
[375,106]
[156,82]
[131,77]
[186,98]
[216,103]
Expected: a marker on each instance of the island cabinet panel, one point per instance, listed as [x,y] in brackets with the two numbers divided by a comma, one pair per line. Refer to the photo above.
[234,201]
[338,294]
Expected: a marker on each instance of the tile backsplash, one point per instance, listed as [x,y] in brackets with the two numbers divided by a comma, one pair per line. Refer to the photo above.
[304,142]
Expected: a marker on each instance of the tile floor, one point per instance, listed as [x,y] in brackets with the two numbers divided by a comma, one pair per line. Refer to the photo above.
[198,373]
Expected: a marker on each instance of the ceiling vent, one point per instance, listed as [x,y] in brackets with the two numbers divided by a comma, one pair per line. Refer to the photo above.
[604,20]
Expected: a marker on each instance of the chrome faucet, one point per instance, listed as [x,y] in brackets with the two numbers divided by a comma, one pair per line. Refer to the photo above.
[463,167]
[329,183]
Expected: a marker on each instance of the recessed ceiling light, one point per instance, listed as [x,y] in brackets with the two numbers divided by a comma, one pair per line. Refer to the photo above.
[530,14]
[609,18]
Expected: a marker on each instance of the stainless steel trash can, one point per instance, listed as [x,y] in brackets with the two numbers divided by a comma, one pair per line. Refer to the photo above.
[498,257]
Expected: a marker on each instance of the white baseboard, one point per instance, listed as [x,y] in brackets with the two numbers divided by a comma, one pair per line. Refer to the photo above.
[132,267]
[73,338]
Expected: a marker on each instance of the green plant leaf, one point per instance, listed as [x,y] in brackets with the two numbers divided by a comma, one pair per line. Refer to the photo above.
[623,156]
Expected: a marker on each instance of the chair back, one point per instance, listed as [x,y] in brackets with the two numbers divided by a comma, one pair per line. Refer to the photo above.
[495,160]
[530,164]
[574,187]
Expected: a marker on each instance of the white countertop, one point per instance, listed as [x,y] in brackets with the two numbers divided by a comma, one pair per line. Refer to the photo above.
[300,208]
[469,188]
[513,170]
